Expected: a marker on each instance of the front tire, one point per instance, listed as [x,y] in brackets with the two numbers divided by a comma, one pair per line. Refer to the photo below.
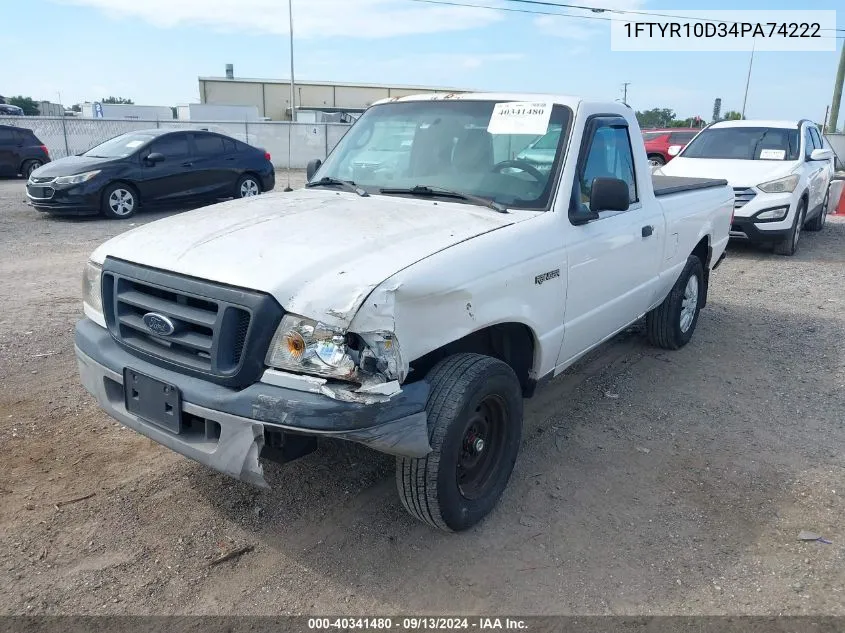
[119,201]
[656,160]
[248,186]
[475,428]
[818,222]
[671,324]
[789,245]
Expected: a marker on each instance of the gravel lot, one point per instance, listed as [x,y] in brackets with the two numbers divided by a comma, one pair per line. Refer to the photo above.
[648,483]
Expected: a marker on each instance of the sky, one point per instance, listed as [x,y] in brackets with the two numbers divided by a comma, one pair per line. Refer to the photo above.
[152,51]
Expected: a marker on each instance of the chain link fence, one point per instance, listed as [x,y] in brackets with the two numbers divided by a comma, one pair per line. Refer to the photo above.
[66,136]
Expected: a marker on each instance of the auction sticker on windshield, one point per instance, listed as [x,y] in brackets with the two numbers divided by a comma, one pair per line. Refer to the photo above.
[772,154]
[519,117]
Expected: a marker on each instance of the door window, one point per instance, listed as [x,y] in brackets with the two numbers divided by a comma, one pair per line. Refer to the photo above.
[8,137]
[817,140]
[681,138]
[609,156]
[808,143]
[208,145]
[173,146]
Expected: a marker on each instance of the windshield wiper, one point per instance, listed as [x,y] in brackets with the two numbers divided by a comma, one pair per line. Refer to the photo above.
[345,184]
[757,145]
[426,191]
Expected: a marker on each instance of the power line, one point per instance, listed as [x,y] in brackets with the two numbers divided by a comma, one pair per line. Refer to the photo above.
[558,14]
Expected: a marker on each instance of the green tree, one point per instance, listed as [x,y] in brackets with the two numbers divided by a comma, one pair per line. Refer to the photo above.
[656,117]
[76,107]
[27,104]
[119,100]
[732,115]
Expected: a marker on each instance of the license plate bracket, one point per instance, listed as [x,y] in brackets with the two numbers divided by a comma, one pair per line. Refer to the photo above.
[153,400]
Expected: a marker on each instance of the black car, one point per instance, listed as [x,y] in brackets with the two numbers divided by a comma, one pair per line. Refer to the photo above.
[148,167]
[8,109]
[20,151]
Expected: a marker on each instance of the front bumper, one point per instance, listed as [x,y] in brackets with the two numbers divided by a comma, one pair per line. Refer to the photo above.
[240,417]
[81,199]
[745,226]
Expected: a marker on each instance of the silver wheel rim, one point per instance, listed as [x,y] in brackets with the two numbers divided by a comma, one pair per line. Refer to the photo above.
[689,303]
[121,202]
[654,163]
[797,234]
[249,188]
[32,167]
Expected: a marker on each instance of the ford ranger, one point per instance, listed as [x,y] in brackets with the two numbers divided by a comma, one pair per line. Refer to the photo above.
[407,304]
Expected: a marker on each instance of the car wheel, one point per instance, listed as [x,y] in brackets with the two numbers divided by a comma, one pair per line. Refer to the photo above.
[818,222]
[119,201]
[475,428]
[29,167]
[656,160]
[247,187]
[671,324]
[789,245]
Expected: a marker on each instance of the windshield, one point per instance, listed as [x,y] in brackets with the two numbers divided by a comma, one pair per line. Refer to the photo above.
[119,146]
[745,143]
[460,146]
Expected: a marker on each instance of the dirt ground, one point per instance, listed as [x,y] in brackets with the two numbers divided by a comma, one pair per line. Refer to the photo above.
[649,482]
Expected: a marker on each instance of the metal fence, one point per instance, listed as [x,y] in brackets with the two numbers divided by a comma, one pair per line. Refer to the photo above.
[66,136]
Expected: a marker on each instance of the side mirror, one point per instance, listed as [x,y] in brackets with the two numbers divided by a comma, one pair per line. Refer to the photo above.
[154,158]
[821,154]
[674,150]
[609,194]
[311,169]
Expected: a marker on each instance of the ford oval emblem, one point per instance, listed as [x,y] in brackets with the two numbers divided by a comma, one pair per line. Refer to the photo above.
[159,324]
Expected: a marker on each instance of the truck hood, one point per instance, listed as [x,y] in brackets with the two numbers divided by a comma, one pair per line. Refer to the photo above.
[319,252]
[738,173]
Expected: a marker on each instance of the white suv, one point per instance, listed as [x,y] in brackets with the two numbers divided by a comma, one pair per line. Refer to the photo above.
[780,172]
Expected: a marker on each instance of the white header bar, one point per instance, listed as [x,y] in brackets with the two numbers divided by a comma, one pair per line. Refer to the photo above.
[726,31]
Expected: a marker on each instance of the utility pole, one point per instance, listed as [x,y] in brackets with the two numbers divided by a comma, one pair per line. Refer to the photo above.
[625,92]
[748,79]
[837,93]
[292,93]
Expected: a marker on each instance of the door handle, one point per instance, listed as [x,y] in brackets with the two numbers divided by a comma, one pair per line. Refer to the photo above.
[189,164]
[648,231]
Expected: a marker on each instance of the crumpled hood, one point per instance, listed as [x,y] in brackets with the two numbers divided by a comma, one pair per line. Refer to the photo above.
[738,173]
[319,252]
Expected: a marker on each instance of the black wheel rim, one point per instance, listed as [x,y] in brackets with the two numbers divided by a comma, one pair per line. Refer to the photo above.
[482,447]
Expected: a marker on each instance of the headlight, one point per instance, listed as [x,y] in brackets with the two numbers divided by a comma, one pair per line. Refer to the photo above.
[310,347]
[91,282]
[781,185]
[76,179]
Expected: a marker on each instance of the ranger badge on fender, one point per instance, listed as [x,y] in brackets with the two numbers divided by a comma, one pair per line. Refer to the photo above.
[539,279]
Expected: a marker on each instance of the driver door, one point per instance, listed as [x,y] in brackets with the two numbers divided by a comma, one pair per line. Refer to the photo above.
[613,262]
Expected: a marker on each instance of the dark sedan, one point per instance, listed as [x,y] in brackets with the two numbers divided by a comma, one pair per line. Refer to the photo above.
[149,167]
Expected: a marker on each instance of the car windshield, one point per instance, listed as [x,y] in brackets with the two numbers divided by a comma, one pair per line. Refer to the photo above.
[467,147]
[119,146]
[745,143]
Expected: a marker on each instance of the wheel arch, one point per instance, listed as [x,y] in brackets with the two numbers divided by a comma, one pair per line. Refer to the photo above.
[512,342]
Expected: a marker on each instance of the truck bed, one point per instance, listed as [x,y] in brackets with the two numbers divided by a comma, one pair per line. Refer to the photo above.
[667,185]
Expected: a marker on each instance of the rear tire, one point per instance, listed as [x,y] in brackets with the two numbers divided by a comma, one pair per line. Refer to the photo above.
[248,186]
[475,428]
[671,324]
[29,167]
[789,245]
[119,201]
[818,222]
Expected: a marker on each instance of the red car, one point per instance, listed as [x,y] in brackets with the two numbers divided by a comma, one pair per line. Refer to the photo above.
[658,142]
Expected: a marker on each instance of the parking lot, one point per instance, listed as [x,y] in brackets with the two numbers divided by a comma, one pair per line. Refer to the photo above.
[648,482]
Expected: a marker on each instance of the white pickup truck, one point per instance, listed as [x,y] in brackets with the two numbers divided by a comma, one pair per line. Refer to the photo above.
[409,301]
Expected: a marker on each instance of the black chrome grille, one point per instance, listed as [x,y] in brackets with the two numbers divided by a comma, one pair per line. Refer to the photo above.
[742,196]
[219,332]
[40,193]
[41,179]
